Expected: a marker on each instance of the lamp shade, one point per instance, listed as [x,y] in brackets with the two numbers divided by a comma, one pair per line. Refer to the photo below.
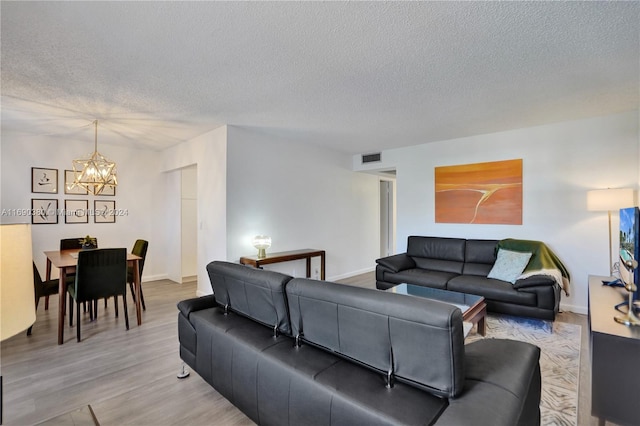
[262,243]
[17,297]
[610,199]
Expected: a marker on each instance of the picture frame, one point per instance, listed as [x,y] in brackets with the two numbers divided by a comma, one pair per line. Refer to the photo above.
[109,191]
[75,211]
[44,211]
[44,181]
[104,211]
[479,193]
[69,177]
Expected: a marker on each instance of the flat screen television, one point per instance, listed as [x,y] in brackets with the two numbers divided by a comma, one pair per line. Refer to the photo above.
[630,246]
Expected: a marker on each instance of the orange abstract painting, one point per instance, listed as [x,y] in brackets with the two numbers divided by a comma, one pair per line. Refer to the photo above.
[479,193]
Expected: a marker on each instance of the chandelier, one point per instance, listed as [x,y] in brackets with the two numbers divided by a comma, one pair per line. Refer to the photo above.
[95,172]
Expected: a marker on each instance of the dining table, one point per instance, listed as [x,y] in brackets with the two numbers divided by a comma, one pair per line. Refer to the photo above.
[66,262]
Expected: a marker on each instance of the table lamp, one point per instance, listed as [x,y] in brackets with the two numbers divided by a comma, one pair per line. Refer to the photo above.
[17,297]
[608,200]
[262,243]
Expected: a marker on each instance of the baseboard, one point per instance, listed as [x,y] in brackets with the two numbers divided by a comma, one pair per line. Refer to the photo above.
[189,279]
[351,274]
[156,277]
[573,308]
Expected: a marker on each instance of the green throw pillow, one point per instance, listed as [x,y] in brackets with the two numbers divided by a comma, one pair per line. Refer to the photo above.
[509,265]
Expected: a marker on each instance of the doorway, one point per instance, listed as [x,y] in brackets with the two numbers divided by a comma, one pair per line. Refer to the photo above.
[387,218]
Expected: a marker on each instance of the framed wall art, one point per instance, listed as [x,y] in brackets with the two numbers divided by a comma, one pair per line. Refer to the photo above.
[108,191]
[75,211]
[44,211]
[44,181]
[104,211]
[487,193]
[69,188]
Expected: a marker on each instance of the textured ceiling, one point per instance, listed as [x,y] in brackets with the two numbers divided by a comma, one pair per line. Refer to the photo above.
[354,76]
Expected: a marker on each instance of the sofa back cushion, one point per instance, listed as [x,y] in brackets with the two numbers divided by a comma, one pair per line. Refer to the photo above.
[419,341]
[254,293]
[437,254]
[480,256]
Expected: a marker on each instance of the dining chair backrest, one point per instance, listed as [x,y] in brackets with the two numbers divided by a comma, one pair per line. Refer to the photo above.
[101,273]
[41,288]
[140,249]
[70,243]
[37,279]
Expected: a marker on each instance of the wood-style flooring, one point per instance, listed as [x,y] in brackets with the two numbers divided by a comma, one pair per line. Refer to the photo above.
[129,377]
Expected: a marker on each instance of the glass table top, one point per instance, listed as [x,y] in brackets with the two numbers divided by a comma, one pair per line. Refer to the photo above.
[461,300]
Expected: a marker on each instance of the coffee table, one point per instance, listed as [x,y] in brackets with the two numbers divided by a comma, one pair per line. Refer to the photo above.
[474,308]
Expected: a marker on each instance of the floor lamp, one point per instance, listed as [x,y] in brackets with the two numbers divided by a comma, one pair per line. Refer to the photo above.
[609,200]
[17,297]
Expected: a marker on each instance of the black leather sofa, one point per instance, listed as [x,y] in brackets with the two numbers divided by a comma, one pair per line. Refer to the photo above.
[302,352]
[463,265]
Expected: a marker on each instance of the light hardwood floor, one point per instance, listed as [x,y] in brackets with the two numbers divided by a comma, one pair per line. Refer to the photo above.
[129,377]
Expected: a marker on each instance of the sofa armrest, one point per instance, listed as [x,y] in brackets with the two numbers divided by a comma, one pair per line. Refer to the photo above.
[534,281]
[196,304]
[502,386]
[397,263]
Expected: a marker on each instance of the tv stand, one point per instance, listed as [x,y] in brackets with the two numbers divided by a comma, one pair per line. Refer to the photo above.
[614,356]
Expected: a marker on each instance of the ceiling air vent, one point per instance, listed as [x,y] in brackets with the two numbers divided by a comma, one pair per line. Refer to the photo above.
[371,158]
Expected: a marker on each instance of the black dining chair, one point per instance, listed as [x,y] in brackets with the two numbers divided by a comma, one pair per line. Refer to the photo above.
[66,244]
[139,249]
[70,243]
[100,273]
[42,289]
[74,243]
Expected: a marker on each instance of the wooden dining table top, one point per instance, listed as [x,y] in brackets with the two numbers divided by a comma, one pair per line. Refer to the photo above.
[69,257]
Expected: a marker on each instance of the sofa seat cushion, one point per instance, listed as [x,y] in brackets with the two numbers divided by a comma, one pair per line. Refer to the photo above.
[503,379]
[316,387]
[435,279]
[228,351]
[491,289]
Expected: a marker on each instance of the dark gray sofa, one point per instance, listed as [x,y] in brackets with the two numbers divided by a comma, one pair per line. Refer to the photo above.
[301,352]
[463,265]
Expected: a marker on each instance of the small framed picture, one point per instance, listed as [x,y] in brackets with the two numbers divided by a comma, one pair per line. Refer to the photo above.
[44,211]
[69,188]
[104,211]
[75,211]
[44,180]
[108,191]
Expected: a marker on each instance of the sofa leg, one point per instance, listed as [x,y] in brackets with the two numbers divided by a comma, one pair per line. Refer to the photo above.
[184,373]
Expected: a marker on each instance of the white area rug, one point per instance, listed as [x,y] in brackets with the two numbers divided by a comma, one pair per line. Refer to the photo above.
[559,362]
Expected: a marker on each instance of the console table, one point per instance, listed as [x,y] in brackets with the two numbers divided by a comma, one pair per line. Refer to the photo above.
[615,357]
[287,256]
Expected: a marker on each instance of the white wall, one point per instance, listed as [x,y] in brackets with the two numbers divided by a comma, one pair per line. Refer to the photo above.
[189,217]
[140,193]
[560,163]
[303,196]
[209,153]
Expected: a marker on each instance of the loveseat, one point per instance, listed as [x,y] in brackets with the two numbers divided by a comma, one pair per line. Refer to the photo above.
[464,265]
[290,351]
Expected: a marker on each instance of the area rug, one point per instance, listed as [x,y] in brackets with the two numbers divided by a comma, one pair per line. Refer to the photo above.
[559,362]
